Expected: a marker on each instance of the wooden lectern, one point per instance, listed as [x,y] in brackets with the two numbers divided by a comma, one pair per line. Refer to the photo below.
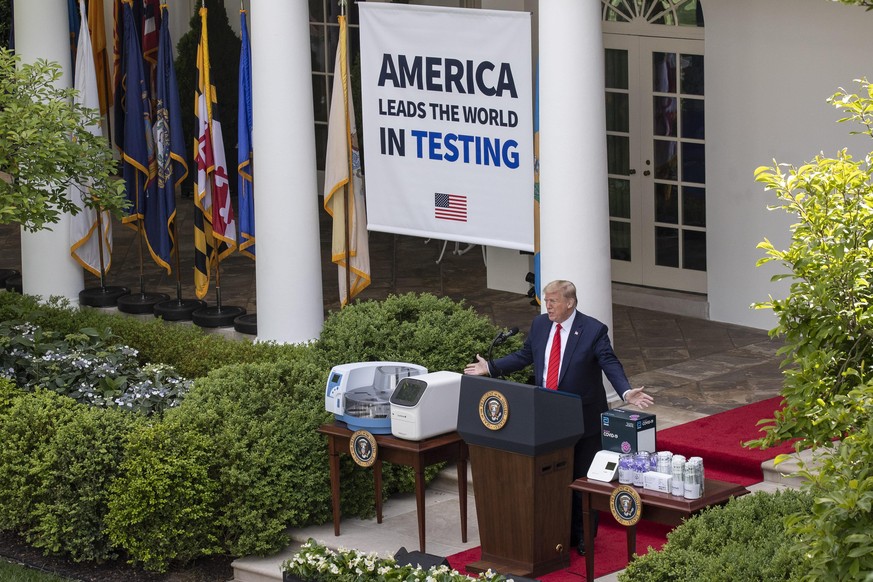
[521,441]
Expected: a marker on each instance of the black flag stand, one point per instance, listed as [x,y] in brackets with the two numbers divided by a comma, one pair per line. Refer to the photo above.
[7,274]
[178,309]
[218,315]
[10,279]
[102,296]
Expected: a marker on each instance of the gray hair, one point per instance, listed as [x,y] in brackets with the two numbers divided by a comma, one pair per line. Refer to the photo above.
[566,288]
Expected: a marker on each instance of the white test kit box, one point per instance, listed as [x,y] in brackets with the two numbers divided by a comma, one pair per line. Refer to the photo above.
[658,482]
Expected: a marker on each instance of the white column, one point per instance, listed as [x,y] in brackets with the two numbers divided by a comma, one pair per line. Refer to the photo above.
[47,269]
[290,301]
[574,209]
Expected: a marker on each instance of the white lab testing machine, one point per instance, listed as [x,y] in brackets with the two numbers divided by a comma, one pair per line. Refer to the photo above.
[426,405]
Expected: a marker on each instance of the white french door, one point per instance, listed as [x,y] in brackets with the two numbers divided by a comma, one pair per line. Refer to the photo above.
[657,179]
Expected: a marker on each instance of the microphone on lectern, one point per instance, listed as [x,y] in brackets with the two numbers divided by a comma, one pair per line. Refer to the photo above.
[504,335]
[499,339]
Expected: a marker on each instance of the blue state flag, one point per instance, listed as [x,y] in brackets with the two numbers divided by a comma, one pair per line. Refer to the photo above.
[73,23]
[244,150]
[137,151]
[537,259]
[171,167]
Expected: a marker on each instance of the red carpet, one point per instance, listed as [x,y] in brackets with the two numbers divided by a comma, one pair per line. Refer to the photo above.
[610,550]
[718,439]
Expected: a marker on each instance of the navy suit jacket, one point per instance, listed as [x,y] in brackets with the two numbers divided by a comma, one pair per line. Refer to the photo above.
[587,356]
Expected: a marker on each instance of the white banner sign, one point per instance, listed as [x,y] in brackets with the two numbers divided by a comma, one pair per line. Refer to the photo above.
[447,120]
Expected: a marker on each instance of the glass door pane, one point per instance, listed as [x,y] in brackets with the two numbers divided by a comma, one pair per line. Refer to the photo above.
[675,203]
[622,145]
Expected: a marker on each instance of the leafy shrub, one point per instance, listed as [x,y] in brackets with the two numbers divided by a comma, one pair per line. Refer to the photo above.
[27,427]
[826,322]
[163,502]
[438,333]
[189,349]
[839,537]
[270,463]
[87,367]
[8,391]
[743,540]
[72,499]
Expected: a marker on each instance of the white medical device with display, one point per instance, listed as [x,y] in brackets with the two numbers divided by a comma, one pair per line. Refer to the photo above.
[358,393]
[604,467]
[425,406]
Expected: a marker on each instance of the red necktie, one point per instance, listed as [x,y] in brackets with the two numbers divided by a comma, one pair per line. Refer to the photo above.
[554,360]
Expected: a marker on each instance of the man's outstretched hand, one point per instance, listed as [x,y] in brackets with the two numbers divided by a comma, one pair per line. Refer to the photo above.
[637,397]
[477,368]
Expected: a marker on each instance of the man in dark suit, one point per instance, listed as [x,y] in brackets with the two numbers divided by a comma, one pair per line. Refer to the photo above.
[570,351]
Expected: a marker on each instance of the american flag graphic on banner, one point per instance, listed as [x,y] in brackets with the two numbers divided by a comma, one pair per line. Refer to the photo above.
[450,206]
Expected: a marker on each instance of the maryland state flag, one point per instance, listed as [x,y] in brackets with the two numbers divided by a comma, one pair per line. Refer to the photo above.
[214,223]
[160,209]
[245,181]
[343,186]
[86,232]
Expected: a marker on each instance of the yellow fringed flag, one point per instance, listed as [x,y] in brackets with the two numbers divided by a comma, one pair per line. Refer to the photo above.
[343,184]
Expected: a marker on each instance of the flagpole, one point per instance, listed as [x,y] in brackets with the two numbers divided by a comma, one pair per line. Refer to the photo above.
[215,249]
[139,246]
[217,276]
[100,249]
[108,86]
[349,187]
[178,264]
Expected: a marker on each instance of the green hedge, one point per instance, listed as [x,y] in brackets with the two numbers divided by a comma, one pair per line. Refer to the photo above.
[189,349]
[743,540]
[27,426]
[162,505]
[437,333]
[82,461]
[269,460]
[56,466]
[230,469]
